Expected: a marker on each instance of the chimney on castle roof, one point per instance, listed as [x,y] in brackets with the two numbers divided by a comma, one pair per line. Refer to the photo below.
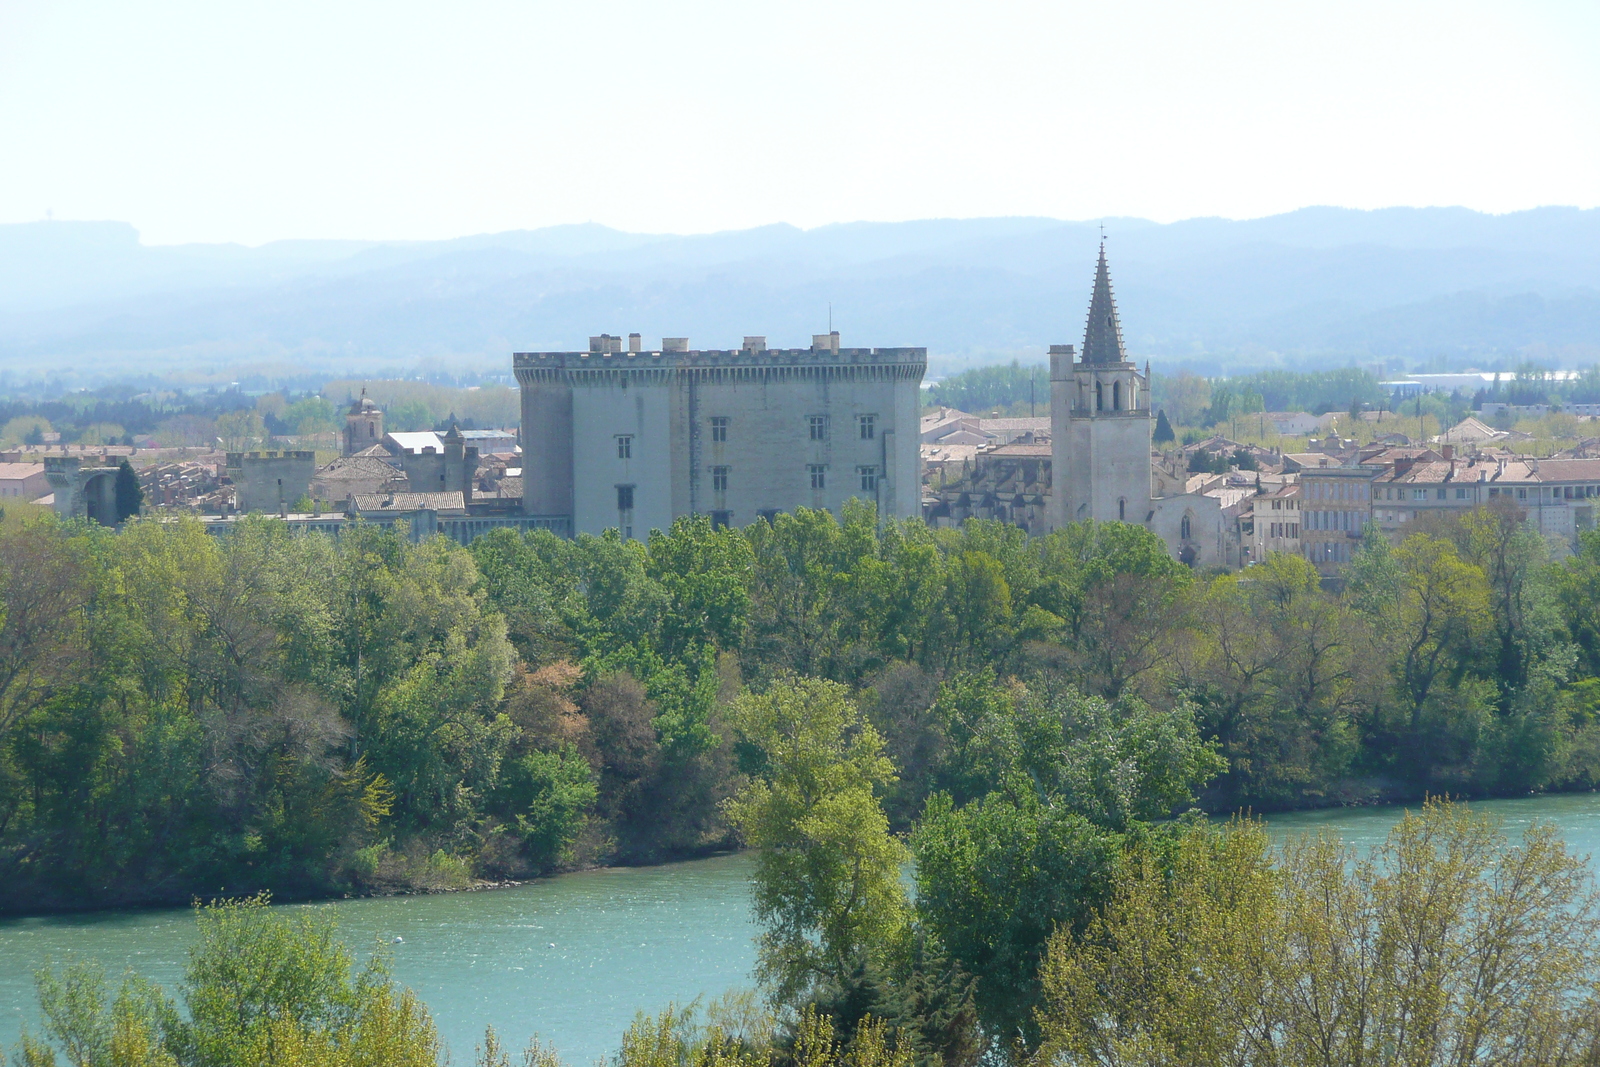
[635,342]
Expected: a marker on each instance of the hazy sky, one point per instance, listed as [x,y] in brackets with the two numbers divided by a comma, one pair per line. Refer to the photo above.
[220,121]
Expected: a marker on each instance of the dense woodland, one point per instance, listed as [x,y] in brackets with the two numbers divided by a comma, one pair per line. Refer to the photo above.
[271,711]
[1015,721]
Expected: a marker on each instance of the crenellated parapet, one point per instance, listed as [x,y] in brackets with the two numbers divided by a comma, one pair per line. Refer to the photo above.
[715,365]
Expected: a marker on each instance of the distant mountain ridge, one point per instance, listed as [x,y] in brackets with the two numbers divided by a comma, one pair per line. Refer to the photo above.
[1445,286]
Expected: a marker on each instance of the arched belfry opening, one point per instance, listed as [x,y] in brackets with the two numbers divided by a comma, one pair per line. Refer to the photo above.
[1116,396]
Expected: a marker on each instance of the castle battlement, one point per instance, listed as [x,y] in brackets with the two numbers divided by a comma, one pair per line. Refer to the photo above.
[739,362]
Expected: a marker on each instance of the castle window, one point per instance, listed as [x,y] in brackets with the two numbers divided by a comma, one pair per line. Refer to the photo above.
[819,427]
[1099,396]
[721,520]
[1122,511]
[624,498]
[625,446]
[869,427]
[819,475]
[1185,528]
[719,479]
[1116,396]
[769,515]
[719,429]
[869,479]
[372,429]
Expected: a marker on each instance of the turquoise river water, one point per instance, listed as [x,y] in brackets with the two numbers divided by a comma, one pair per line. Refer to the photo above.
[571,958]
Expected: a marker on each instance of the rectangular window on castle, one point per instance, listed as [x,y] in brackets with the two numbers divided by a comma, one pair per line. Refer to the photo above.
[869,427]
[719,429]
[819,427]
[819,476]
[721,520]
[869,479]
[624,498]
[719,479]
[625,446]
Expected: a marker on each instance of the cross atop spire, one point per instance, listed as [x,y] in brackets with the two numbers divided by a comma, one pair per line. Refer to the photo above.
[1102,338]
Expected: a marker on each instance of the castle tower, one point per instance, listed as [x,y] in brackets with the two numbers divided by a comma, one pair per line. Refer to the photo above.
[460,463]
[363,425]
[1100,421]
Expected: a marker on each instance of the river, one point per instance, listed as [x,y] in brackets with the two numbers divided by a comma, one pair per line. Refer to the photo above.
[571,958]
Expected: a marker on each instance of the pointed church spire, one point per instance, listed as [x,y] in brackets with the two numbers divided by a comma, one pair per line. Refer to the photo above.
[1102,339]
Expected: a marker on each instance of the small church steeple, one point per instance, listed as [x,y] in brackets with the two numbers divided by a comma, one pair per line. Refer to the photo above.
[1102,337]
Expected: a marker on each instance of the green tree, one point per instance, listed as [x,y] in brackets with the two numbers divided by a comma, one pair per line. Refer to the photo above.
[412,415]
[312,415]
[1444,612]
[1448,945]
[260,988]
[827,885]
[1163,432]
[24,429]
[129,494]
[240,431]
[1116,589]
[995,879]
[549,795]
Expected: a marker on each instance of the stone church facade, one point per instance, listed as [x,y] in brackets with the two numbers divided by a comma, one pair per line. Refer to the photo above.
[633,439]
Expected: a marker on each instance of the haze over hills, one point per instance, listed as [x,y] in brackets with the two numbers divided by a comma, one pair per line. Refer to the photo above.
[1442,287]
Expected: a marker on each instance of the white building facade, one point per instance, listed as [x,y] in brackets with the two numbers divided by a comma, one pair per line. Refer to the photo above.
[633,439]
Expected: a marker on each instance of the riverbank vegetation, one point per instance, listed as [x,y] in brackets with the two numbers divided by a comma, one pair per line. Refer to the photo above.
[1198,945]
[185,714]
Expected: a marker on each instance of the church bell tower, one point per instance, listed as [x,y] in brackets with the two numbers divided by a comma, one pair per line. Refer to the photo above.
[363,424]
[1099,421]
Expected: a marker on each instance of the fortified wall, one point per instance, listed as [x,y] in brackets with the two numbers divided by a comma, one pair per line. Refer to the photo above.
[633,439]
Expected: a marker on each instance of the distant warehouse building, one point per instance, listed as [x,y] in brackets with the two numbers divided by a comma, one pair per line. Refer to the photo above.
[633,439]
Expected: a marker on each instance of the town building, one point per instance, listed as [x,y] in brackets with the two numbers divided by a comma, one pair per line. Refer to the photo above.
[1094,460]
[948,426]
[1298,423]
[23,482]
[435,463]
[1275,520]
[1335,505]
[633,439]
[1009,482]
[270,481]
[368,472]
